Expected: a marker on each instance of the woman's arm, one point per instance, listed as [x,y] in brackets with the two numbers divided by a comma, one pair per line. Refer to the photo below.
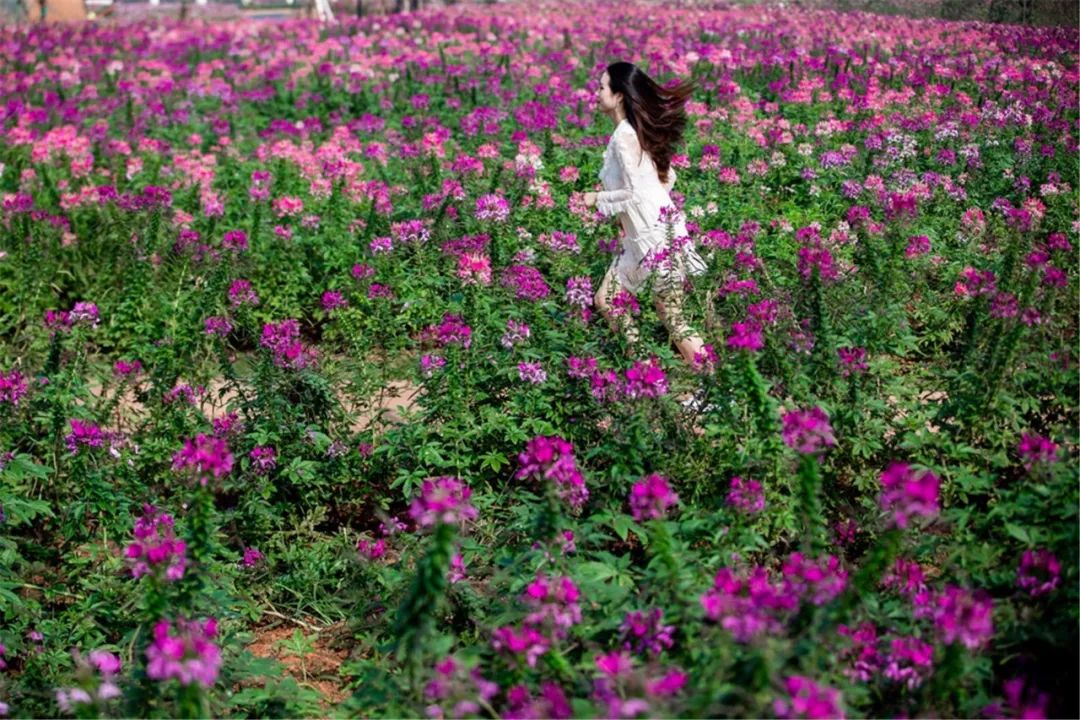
[612,202]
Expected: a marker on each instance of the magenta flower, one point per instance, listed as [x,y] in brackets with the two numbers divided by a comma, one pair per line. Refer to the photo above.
[263,459]
[451,331]
[962,615]
[371,549]
[528,643]
[443,500]
[615,664]
[852,360]
[551,459]
[746,495]
[580,368]
[184,651]
[910,661]
[819,581]
[516,333]
[156,549]
[807,699]
[235,240]
[252,557]
[908,493]
[747,608]
[241,293]
[526,281]
[651,497]
[205,456]
[83,434]
[554,603]
[1039,572]
[13,387]
[745,336]
[808,431]
[334,300]
[670,683]
[101,668]
[474,269]
[218,325]
[917,245]
[492,208]
[532,373]
[816,259]
[551,703]
[579,291]
[645,379]
[1036,450]
[645,632]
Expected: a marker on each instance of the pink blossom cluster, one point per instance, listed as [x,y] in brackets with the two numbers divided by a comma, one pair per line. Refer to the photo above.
[627,691]
[98,685]
[808,431]
[455,691]
[83,434]
[205,457]
[645,633]
[156,549]
[526,281]
[12,387]
[1039,572]
[451,331]
[551,459]
[185,651]
[645,379]
[909,493]
[442,500]
[807,699]
[651,497]
[283,340]
[746,495]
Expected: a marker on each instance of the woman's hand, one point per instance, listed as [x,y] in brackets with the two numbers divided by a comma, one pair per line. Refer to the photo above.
[590,199]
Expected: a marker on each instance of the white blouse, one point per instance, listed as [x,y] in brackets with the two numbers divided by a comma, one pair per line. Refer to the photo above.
[633,192]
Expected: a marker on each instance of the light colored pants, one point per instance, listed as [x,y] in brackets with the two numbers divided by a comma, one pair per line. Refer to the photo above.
[668,298]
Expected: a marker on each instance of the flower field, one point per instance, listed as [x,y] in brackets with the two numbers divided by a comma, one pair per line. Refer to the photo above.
[306,408]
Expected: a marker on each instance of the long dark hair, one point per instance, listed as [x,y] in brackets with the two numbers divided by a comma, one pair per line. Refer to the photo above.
[657,114]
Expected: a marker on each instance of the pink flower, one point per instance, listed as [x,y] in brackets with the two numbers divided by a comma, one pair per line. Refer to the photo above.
[962,615]
[819,581]
[645,379]
[205,456]
[334,300]
[532,373]
[442,500]
[263,459]
[371,550]
[156,549]
[651,497]
[615,664]
[252,557]
[1039,572]
[807,699]
[645,632]
[13,387]
[83,434]
[551,458]
[492,208]
[745,336]
[908,493]
[917,245]
[554,603]
[808,431]
[184,651]
[910,661]
[746,495]
[852,360]
[1036,450]
[528,643]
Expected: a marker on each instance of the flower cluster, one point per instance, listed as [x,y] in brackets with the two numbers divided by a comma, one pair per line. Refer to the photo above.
[156,549]
[516,333]
[554,605]
[626,691]
[457,692]
[83,434]
[442,500]
[204,456]
[552,459]
[1039,572]
[651,497]
[526,282]
[97,681]
[283,340]
[808,431]
[909,493]
[12,387]
[645,379]
[184,651]
[806,699]
[746,495]
[451,331]
[493,208]
[645,633]
[1036,450]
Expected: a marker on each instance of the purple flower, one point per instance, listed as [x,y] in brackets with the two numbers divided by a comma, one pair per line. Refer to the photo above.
[526,282]
[156,549]
[252,557]
[746,495]
[1039,572]
[218,325]
[917,245]
[554,604]
[241,293]
[205,456]
[552,459]
[334,300]
[371,550]
[816,259]
[235,240]
[492,208]
[380,245]
[910,661]
[13,387]
[184,651]
[528,643]
[532,373]
[747,608]
[580,368]
[818,581]
[442,500]
[807,699]
[645,632]
[283,340]
[852,360]
[263,459]
[651,497]
[83,434]
[645,379]
[808,431]
[516,333]
[1037,450]
[745,336]
[615,664]
[908,493]
[431,363]
[579,291]
[84,313]
[962,615]
[451,331]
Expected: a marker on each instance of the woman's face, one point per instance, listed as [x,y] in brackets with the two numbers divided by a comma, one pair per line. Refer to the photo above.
[608,100]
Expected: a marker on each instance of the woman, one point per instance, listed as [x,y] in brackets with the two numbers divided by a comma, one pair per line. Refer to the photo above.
[637,177]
